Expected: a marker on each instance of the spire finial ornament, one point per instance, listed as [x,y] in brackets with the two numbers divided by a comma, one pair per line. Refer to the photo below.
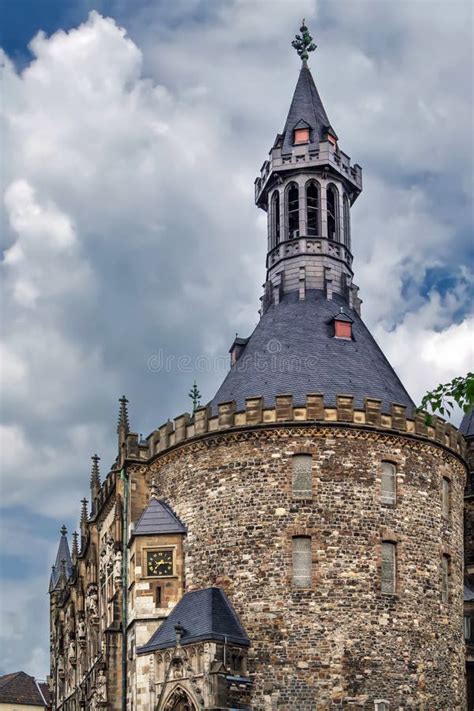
[195,396]
[95,473]
[123,423]
[303,43]
[63,530]
[75,544]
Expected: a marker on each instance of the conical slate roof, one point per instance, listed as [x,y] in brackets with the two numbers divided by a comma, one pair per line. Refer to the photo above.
[307,107]
[293,350]
[63,556]
[467,424]
[158,518]
[203,615]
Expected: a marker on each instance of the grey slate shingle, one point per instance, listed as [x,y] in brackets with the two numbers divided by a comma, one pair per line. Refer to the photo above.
[204,615]
[306,106]
[158,518]
[292,351]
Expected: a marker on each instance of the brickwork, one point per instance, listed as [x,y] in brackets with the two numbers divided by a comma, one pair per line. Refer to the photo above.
[341,641]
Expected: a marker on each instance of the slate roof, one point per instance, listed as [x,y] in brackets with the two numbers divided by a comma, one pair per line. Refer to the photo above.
[204,615]
[158,518]
[292,350]
[467,424]
[468,593]
[63,554]
[306,106]
[20,688]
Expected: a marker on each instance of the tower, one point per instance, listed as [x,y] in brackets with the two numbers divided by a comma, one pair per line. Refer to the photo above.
[295,543]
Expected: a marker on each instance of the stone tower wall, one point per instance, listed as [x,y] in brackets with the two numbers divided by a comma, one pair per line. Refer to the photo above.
[342,640]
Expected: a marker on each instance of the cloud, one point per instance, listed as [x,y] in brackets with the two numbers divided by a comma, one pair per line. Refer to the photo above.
[130,228]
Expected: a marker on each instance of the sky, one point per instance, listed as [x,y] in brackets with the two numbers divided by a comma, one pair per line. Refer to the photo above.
[132,251]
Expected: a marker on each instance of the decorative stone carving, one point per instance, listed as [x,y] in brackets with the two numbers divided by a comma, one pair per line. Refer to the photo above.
[118,569]
[71,653]
[101,688]
[81,631]
[92,604]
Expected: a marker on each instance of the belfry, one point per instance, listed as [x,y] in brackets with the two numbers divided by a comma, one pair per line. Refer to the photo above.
[297,542]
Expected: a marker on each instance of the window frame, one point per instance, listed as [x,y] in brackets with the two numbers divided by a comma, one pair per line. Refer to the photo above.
[388,500]
[332,189]
[307,579]
[309,184]
[445,578]
[275,226]
[291,213]
[446,497]
[346,218]
[301,493]
[386,546]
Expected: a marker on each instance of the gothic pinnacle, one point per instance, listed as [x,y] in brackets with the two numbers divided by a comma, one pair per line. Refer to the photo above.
[95,473]
[304,43]
[123,423]
[75,544]
[83,511]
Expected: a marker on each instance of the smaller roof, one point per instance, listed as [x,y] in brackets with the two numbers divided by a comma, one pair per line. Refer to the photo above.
[20,688]
[467,424]
[158,518]
[203,615]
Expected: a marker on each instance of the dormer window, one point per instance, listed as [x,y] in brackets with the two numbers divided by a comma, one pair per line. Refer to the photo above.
[301,136]
[342,326]
[343,330]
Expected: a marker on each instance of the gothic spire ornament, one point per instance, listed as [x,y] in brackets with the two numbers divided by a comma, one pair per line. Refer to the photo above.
[123,424]
[75,545]
[195,396]
[95,473]
[304,43]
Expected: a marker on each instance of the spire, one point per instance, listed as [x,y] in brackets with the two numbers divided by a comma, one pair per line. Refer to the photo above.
[95,474]
[75,545]
[123,425]
[83,523]
[306,110]
[63,564]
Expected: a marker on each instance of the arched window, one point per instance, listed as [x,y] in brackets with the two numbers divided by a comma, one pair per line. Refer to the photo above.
[275,220]
[347,221]
[293,206]
[312,207]
[179,701]
[332,212]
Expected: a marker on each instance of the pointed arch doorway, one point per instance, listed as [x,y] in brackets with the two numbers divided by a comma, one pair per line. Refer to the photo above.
[179,700]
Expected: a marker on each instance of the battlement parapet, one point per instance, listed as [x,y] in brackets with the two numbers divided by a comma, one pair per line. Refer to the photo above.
[186,427]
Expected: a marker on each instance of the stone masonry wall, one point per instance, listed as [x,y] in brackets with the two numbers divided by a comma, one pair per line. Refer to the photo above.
[341,643]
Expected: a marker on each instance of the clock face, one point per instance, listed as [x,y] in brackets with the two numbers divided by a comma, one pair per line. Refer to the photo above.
[159,563]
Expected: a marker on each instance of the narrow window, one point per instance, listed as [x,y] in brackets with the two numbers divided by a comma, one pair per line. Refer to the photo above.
[293,212]
[445,578]
[467,627]
[347,221]
[389,563]
[389,483]
[275,219]
[302,475]
[302,562]
[312,206]
[446,497]
[331,200]
[343,329]
[381,706]
[158,596]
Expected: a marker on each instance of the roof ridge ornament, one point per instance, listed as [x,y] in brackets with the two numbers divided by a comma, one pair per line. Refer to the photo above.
[304,43]
[153,489]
